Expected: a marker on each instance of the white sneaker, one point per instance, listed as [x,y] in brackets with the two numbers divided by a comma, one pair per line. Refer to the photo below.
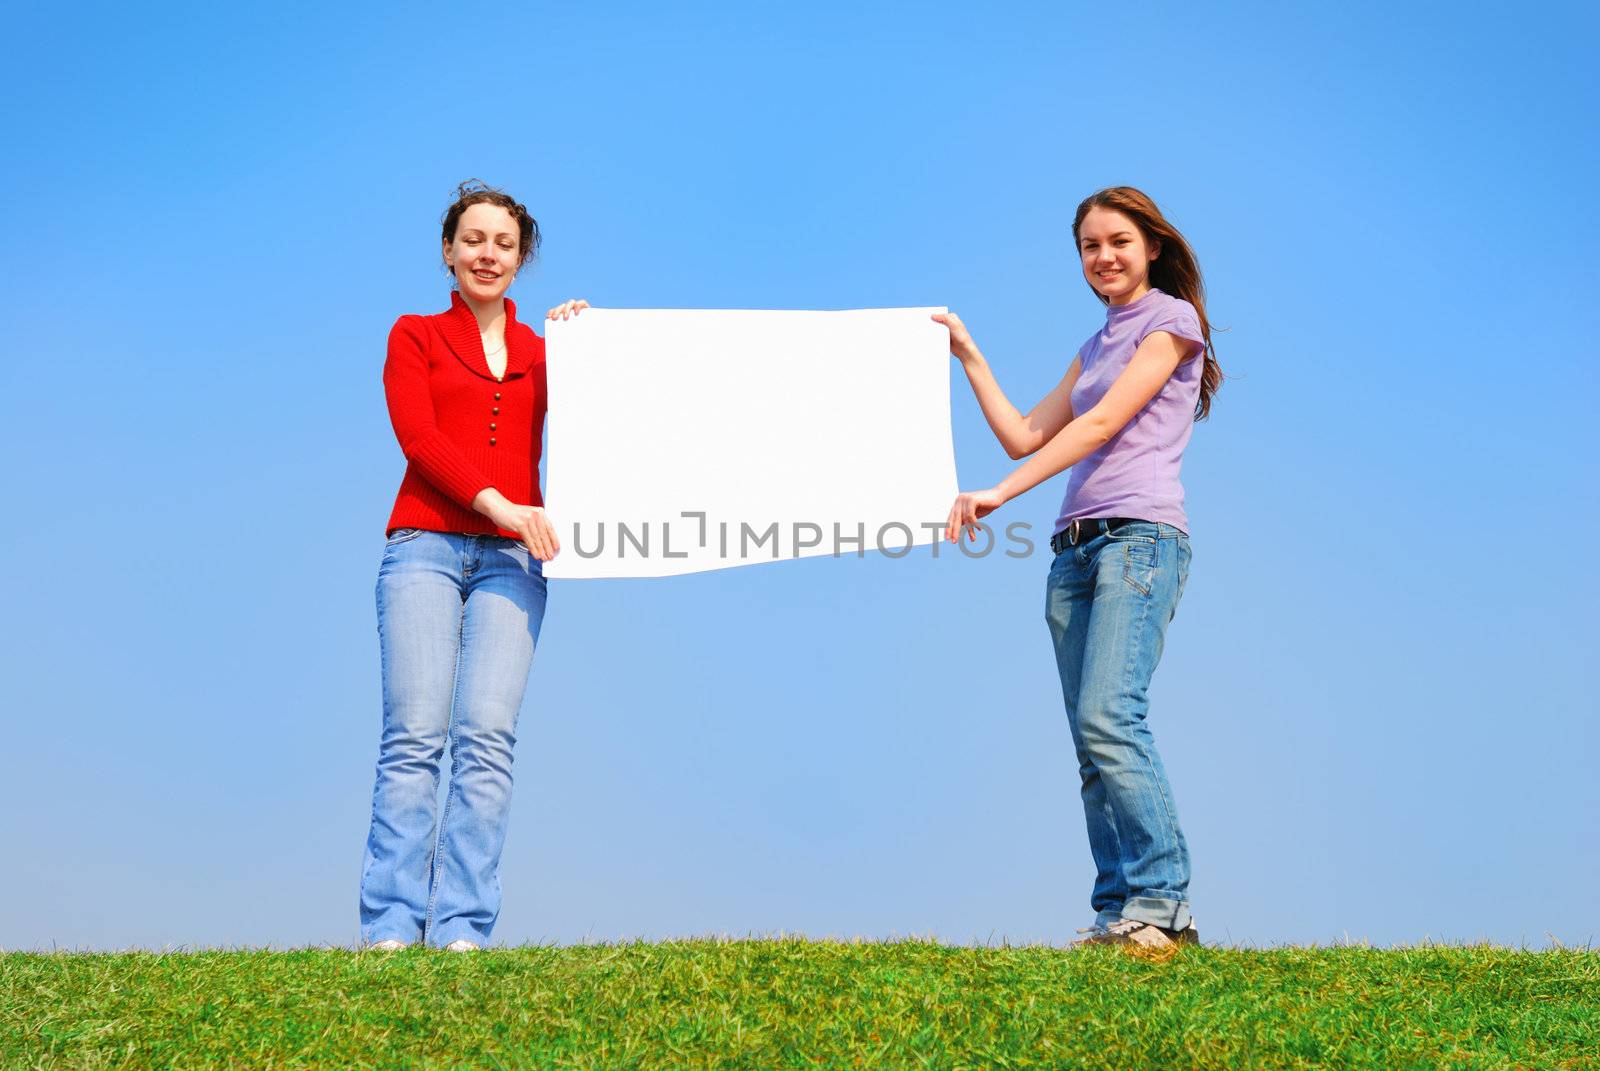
[1142,934]
[391,945]
[461,945]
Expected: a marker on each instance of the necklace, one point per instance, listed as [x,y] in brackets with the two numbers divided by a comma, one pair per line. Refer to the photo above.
[490,355]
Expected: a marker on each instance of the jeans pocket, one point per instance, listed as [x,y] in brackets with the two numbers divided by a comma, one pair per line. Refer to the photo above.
[402,535]
[1139,564]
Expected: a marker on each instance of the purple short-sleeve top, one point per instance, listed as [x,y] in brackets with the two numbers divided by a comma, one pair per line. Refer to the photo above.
[1136,473]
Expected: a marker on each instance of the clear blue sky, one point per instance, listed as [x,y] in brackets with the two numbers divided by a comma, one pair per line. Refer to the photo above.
[1376,707]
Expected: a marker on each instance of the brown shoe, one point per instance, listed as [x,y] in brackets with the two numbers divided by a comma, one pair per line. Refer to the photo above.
[1144,935]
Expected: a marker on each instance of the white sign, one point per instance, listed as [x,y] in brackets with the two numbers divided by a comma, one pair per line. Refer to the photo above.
[683,440]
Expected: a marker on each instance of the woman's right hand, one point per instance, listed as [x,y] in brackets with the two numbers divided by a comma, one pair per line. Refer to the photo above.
[531,523]
[961,344]
[566,309]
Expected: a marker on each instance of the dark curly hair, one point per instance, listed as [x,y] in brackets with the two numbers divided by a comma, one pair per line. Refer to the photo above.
[477,192]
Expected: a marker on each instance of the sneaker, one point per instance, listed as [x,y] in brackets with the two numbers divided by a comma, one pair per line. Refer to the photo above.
[1142,935]
[391,945]
[461,945]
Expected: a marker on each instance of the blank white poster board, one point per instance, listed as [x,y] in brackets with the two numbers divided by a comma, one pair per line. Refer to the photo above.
[684,440]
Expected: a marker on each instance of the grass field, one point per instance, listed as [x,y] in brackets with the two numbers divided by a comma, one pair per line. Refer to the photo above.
[793,1003]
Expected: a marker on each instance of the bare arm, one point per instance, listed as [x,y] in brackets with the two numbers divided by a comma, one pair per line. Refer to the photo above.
[531,523]
[1152,365]
[1019,435]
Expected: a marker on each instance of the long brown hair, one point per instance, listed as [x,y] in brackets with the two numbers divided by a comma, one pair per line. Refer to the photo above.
[1174,271]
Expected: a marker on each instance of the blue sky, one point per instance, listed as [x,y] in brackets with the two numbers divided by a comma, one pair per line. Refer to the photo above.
[1375,705]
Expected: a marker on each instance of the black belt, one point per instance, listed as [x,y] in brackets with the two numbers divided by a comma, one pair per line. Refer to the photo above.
[1085,529]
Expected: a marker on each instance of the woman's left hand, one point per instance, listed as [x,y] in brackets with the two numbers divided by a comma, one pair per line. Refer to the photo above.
[961,345]
[970,507]
[566,309]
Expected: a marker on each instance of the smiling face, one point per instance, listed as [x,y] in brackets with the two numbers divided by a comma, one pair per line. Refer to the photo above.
[1116,256]
[484,253]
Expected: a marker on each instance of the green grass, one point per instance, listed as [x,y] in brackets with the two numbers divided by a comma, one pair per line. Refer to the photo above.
[791,1003]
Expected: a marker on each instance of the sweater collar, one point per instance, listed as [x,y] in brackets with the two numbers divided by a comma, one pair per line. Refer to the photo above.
[460,330]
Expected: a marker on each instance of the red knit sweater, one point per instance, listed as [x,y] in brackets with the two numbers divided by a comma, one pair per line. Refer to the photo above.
[460,429]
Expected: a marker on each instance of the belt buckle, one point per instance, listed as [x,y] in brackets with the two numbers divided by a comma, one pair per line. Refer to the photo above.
[1074,530]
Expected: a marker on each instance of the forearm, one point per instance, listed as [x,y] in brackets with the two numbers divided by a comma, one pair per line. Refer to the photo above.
[1004,419]
[1071,445]
[530,523]
[492,504]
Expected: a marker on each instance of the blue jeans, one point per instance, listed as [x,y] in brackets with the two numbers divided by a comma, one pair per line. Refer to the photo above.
[458,620]
[1108,602]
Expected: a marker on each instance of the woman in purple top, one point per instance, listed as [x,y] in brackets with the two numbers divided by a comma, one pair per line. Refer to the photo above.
[1119,419]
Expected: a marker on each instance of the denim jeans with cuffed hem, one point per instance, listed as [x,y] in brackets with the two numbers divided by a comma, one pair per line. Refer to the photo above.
[458,621]
[1108,603]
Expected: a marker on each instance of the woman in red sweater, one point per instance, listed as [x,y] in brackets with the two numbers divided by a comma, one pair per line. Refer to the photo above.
[461,589]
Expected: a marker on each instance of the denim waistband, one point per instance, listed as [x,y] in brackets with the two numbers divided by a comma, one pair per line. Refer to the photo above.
[1159,529]
[493,536]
